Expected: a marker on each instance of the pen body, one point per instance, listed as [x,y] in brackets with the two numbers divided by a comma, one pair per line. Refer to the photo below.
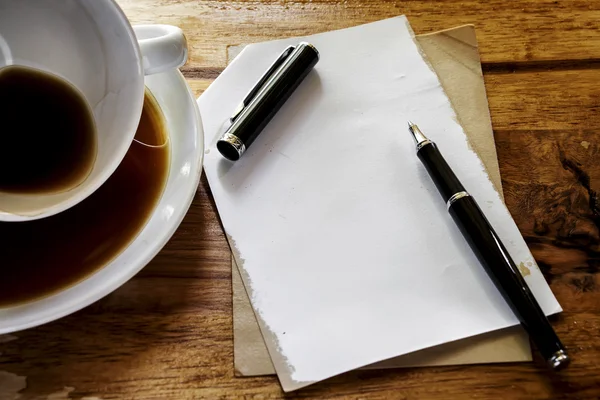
[493,256]
[440,172]
[497,262]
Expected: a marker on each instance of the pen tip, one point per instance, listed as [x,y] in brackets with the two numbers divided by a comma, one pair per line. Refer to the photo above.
[416,132]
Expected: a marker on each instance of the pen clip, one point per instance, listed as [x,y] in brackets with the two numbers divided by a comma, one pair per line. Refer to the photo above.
[286,53]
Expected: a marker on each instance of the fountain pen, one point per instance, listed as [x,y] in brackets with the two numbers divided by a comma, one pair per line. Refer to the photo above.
[490,251]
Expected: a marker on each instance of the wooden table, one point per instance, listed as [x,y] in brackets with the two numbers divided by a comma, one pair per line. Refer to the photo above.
[168,332]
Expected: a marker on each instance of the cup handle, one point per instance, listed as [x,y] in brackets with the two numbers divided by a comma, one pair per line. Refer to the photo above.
[163,47]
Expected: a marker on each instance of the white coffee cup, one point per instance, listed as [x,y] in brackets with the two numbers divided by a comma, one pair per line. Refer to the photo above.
[91,44]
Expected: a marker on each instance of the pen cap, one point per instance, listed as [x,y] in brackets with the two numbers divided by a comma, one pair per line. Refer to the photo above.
[275,91]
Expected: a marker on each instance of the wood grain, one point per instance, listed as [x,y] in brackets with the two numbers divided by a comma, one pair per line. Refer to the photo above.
[508,31]
[167,333]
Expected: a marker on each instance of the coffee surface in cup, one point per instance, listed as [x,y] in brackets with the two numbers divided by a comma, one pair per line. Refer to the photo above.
[42,257]
[48,136]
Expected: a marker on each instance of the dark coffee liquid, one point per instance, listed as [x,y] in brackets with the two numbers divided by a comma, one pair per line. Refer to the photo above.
[48,137]
[41,257]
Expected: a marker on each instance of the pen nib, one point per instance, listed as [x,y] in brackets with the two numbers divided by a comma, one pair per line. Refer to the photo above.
[416,132]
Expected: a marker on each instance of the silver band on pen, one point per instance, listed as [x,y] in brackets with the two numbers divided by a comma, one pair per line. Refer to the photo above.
[422,144]
[456,196]
[231,146]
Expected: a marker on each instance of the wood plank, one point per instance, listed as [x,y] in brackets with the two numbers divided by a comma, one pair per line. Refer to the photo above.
[550,180]
[508,31]
[198,85]
[556,99]
[547,130]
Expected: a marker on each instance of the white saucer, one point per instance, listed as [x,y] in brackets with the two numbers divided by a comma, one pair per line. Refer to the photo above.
[187,149]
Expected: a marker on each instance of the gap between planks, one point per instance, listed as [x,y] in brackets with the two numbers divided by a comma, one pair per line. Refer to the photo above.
[488,68]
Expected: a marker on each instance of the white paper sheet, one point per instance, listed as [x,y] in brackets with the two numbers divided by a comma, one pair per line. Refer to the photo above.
[348,248]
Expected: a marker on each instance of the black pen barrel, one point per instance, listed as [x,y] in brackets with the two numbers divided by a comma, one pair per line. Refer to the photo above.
[442,175]
[500,267]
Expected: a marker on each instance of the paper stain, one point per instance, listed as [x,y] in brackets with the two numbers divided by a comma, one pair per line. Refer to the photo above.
[11,385]
[532,265]
[585,144]
[524,270]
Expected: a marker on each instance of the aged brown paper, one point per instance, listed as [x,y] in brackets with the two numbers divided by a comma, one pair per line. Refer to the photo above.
[454,56]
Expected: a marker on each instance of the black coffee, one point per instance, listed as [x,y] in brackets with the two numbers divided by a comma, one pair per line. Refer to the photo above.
[38,258]
[48,138]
